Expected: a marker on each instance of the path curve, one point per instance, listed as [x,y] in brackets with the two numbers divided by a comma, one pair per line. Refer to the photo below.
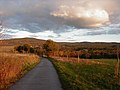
[42,77]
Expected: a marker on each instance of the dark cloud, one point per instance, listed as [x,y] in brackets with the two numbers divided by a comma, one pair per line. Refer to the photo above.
[116,32]
[113,29]
[96,33]
[109,32]
[38,15]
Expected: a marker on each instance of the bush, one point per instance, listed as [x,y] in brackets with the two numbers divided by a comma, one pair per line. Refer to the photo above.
[26,48]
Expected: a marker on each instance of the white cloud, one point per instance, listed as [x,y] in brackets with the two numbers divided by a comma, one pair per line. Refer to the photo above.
[82,16]
[66,20]
[76,35]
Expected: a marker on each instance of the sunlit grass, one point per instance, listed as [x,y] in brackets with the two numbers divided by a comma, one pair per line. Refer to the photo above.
[87,76]
[13,66]
[7,49]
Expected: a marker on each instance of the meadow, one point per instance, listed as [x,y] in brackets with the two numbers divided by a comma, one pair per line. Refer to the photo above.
[87,74]
[13,66]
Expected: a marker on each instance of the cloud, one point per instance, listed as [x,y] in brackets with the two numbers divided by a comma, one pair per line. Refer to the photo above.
[73,35]
[55,14]
[60,19]
[82,17]
[96,33]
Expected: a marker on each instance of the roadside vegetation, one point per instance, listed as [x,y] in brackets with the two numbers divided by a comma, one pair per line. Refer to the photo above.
[87,76]
[13,66]
[16,61]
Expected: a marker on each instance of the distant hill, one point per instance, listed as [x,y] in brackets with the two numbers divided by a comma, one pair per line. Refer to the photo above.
[91,45]
[14,42]
[40,42]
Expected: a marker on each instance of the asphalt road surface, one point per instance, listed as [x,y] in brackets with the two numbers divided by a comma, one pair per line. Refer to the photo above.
[42,77]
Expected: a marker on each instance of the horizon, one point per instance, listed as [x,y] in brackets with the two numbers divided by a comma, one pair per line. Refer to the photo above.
[61,21]
[57,41]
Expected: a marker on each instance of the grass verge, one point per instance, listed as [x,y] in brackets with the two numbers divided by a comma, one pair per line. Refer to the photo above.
[14,66]
[84,76]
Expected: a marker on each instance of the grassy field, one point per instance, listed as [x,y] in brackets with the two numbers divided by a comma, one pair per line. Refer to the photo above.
[87,76]
[13,66]
[6,49]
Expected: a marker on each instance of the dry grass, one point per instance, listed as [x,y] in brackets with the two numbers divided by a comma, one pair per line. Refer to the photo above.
[7,49]
[13,66]
[75,60]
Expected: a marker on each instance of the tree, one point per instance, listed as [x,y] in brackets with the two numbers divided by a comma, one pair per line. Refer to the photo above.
[19,49]
[67,51]
[50,46]
[24,48]
[1,30]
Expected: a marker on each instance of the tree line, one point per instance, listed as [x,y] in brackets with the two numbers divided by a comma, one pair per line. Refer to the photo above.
[55,49]
[26,48]
[51,48]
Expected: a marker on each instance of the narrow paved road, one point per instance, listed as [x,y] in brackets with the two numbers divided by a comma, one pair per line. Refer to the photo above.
[42,77]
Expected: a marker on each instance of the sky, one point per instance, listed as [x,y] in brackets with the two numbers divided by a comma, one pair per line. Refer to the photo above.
[61,20]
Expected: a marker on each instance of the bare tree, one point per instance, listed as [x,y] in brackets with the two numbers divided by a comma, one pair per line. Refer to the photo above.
[2,32]
[1,29]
